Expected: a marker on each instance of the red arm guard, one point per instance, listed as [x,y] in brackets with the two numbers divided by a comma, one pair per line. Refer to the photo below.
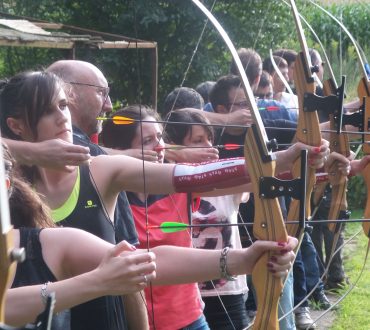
[202,177]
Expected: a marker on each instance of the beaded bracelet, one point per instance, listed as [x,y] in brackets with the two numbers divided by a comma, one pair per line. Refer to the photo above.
[44,293]
[223,265]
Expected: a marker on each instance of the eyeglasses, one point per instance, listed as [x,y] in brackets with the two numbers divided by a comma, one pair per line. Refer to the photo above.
[263,96]
[322,63]
[241,104]
[103,91]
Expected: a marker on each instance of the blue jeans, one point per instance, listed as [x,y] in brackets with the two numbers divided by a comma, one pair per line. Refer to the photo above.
[286,304]
[199,324]
[299,275]
[311,267]
[232,307]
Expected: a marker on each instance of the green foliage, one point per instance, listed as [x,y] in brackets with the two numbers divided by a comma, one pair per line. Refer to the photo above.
[357,196]
[358,191]
[342,54]
[176,26]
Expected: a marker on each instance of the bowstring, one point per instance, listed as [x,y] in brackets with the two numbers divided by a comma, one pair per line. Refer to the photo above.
[223,130]
[360,55]
[350,288]
[246,66]
[188,67]
[164,127]
[190,233]
[314,288]
[170,196]
[151,316]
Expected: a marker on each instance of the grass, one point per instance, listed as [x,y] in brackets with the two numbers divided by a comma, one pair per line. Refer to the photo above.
[354,310]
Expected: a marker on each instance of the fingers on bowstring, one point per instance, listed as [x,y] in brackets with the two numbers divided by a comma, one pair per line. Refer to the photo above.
[121,247]
[145,272]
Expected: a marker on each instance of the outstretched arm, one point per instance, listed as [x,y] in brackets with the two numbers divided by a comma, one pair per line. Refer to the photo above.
[115,275]
[116,173]
[124,271]
[56,153]
[177,265]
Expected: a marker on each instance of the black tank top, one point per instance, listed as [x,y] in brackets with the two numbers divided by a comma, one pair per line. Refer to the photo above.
[89,213]
[35,271]
[105,313]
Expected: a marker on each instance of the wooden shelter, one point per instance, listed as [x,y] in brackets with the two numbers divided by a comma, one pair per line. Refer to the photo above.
[17,31]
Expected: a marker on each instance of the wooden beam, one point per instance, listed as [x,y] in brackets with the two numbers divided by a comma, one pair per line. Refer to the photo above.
[126,45]
[39,43]
[51,26]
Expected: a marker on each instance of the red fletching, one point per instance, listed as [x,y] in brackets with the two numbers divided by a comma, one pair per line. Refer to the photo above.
[272,108]
[232,146]
[159,148]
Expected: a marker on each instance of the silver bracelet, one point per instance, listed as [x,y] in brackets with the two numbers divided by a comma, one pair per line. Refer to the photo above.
[44,293]
[223,265]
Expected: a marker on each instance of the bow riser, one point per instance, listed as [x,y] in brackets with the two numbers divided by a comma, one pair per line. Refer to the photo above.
[268,225]
[308,132]
[7,269]
[338,143]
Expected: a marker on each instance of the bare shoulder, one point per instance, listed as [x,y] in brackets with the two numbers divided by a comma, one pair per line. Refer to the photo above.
[110,161]
[71,251]
[65,236]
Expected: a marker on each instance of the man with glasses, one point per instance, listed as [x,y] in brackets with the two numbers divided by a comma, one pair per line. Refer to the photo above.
[290,101]
[89,93]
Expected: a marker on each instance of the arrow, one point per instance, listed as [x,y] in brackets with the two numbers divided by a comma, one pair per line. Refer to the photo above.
[173,226]
[120,120]
[227,146]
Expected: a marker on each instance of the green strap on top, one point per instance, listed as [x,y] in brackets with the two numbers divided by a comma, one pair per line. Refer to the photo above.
[67,208]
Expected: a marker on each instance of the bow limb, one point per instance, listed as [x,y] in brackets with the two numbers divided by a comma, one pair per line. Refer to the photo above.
[319,188]
[337,142]
[308,128]
[340,144]
[269,224]
[7,267]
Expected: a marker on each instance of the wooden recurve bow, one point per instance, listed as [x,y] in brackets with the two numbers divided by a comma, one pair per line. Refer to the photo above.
[7,266]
